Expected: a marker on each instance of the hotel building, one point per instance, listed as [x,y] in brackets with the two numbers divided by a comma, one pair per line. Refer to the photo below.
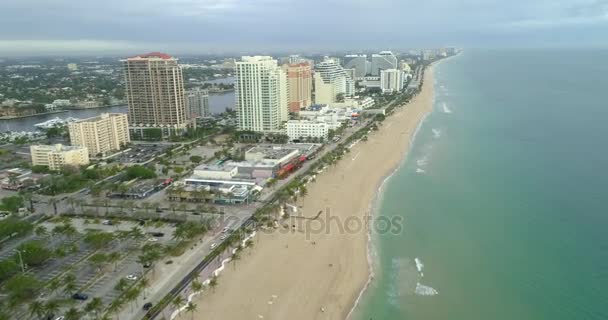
[154,88]
[101,135]
[56,156]
[261,94]
[299,86]
[197,103]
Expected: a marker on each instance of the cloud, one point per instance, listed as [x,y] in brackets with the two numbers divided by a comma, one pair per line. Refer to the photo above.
[259,24]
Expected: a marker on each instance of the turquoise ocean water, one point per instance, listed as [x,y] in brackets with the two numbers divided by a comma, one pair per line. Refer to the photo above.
[504,194]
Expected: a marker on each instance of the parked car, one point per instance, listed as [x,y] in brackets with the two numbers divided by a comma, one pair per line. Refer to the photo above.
[213,245]
[147,306]
[157,234]
[80,296]
[131,277]
[107,222]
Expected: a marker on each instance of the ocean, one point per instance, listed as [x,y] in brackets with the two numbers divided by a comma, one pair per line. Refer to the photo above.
[503,195]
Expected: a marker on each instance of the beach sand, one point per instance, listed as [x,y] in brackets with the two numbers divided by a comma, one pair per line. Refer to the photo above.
[287,276]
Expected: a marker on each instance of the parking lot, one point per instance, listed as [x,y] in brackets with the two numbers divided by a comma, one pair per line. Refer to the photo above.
[141,153]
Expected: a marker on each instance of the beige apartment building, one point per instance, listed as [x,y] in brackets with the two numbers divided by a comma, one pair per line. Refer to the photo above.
[101,135]
[154,88]
[299,85]
[57,156]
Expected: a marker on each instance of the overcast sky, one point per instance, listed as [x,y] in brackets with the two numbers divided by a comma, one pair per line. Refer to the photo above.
[200,26]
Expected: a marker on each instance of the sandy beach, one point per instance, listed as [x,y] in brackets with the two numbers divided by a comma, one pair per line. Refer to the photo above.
[293,274]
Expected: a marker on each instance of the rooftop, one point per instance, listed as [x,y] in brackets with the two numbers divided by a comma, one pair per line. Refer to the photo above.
[159,55]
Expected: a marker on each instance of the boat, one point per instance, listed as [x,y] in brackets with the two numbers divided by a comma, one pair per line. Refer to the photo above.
[55,122]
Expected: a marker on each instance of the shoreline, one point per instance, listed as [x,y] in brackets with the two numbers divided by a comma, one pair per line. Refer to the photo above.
[332,268]
[372,251]
[32,115]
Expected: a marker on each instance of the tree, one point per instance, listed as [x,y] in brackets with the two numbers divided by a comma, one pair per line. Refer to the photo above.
[98,239]
[178,301]
[113,258]
[33,253]
[14,227]
[8,268]
[213,282]
[95,306]
[70,283]
[196,159]
[191,307]
[36,309]
[11,204]
[51,307]
[140,172]
[41,231]
[98,260]
[22,287]
[144,283]
[73,314]
[197,286]
[121,285]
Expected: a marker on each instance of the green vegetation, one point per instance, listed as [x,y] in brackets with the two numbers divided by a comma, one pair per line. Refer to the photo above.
[13,227]
[98,239]
[72,179]
[22,288]
[11,204]
[33,253]
[139,172]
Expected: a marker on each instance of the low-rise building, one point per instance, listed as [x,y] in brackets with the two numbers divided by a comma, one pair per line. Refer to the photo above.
[215,172]
[307,129]
[277,155]
[56,156]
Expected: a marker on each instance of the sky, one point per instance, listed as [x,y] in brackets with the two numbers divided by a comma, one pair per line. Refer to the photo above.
[216,26]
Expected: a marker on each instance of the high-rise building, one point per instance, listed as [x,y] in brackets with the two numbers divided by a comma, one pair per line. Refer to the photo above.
[260,92]
[383,61]
[102,134]
[57,156]
[331,81]
[197,103]
[391,80]
[299,86]
[154,88]
[357,62]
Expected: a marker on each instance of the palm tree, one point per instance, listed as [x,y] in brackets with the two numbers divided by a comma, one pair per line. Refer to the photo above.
[144,283]
[54,285]
[73,314]
[113,258]
[41,231]
[53,201]
[191,307]
[95,306]
[131,296]
[197,286]
[51,307]
[178,301]
[213,282]
[115,307]
[36,309]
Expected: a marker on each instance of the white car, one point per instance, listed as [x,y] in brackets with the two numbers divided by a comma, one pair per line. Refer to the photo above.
[223,237]
[131,277]
[213,245]
[152,239]
[60,318]
[225,230]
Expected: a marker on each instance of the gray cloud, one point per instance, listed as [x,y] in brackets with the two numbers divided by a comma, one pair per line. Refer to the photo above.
[213,25]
